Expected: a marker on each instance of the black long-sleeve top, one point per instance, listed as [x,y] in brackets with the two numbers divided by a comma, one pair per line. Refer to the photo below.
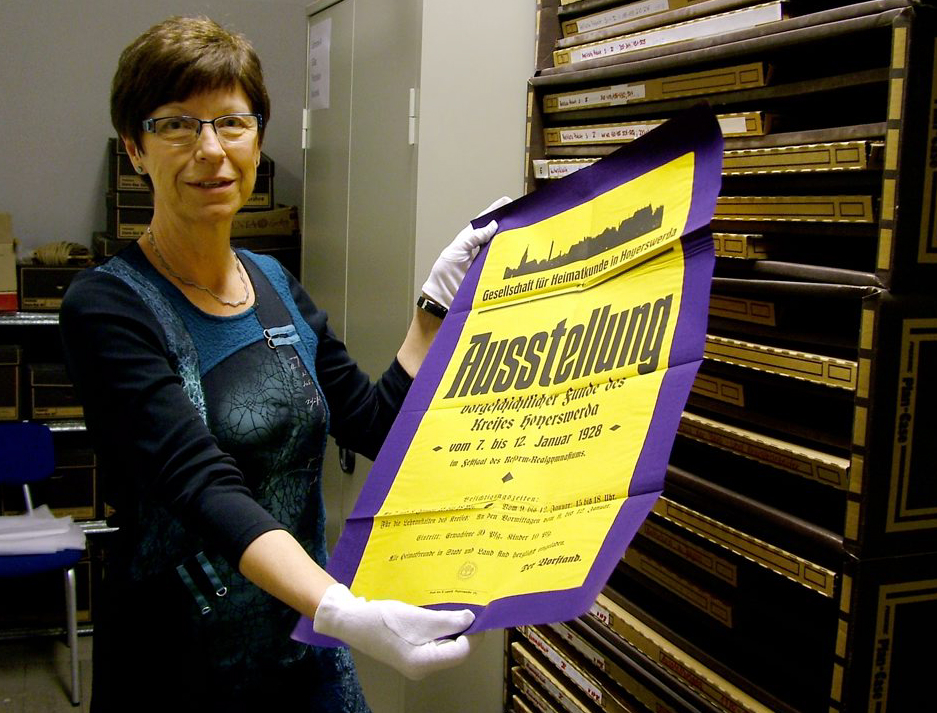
[150,438]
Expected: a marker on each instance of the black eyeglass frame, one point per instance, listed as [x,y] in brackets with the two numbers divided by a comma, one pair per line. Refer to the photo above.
[149,125]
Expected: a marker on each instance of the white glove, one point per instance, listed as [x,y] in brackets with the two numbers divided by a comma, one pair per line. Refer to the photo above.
[398,634]
[453,262]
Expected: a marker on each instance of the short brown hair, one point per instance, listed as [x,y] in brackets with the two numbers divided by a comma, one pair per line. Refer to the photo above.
[176,59]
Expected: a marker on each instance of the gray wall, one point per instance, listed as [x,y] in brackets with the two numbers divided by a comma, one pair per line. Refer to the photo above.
[57,58]
[477,56]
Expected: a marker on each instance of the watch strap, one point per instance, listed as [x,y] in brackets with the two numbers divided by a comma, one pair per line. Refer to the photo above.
[434,308]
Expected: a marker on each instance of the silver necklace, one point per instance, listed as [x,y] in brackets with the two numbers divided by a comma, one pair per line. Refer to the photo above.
[184,281]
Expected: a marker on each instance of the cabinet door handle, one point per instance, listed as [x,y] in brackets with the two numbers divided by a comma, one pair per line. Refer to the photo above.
[346,460]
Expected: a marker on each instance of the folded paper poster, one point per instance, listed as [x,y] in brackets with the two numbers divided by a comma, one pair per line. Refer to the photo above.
[534,441]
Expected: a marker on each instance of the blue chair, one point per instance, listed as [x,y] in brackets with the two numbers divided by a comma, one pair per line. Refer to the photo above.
[27,456]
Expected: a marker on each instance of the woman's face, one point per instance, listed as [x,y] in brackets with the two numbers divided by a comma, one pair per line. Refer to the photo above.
[207,181]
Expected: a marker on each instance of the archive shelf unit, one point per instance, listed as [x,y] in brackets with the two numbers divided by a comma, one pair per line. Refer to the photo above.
[29,607]
[791,563]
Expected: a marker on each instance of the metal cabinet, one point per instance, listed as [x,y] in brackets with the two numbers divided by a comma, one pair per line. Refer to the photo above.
[414,122]
[790,564]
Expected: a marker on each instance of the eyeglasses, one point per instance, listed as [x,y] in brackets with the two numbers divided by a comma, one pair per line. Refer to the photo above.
[185,130]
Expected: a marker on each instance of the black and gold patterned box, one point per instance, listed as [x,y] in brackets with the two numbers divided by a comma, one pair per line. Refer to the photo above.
[53,394]
[42,287]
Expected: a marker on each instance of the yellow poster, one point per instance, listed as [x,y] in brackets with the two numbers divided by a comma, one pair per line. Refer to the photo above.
[535,439]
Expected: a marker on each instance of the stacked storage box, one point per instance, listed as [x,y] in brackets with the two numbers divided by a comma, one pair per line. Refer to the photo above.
[261,225]
[130,202]
[33,385]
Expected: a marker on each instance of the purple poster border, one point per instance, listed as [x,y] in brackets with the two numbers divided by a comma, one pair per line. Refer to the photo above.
[695,130]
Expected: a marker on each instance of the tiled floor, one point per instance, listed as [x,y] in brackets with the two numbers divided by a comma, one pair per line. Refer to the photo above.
[35,676]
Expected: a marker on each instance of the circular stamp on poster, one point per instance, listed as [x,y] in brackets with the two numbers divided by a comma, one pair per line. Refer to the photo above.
[467,570]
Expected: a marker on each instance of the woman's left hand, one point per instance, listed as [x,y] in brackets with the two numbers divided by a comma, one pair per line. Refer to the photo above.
[453,262]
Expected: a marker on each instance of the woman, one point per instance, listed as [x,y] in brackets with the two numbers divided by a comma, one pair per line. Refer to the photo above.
[210,380]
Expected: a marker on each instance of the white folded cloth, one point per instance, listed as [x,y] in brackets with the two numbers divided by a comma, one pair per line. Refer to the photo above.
[39,532]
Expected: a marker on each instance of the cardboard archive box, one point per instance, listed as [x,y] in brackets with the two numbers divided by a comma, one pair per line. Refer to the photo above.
[285,248]
[816,399]
[8,298]
[604,46]
[619,13]
[720,79]
[11,356]
[875,86]
[260,199]
[282,220]
[42,287]
[126,223]
[796,626]
[790,565]
[70,491]
[581,660]
[539,680]
[53,394]
[531,696]
[122,178]
[129,214]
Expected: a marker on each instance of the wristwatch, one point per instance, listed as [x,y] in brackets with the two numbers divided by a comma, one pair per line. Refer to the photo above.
[434,308]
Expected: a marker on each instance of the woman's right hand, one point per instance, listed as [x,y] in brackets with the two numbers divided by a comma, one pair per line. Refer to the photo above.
[407,637]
